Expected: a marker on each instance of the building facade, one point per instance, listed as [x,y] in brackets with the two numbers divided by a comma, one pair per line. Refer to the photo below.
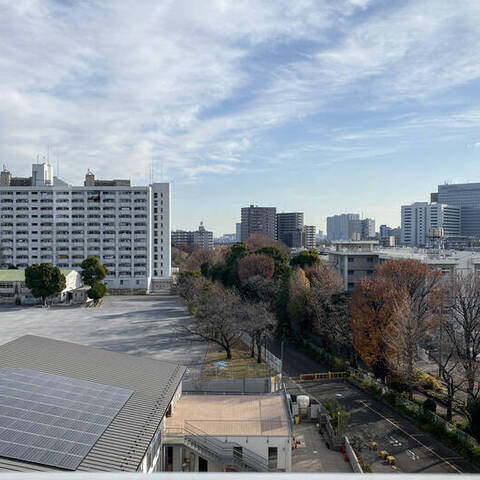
[418,218]
[200,238]
[46,220]
[309,236]
[259,220]
[467,197]
[290,229]
[341,227]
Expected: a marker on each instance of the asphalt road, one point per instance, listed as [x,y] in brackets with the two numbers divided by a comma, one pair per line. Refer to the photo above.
[370,419]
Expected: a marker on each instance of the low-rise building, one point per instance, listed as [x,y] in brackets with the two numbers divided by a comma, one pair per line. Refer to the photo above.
[13,289]
[356,260]
[70,407]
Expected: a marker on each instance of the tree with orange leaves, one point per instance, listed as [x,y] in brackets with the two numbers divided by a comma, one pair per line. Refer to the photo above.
[391,314]
[373,311]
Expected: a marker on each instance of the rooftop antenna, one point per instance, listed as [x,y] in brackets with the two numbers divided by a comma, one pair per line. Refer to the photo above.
[151,171]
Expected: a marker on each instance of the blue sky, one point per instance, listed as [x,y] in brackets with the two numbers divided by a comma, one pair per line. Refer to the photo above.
[316,106]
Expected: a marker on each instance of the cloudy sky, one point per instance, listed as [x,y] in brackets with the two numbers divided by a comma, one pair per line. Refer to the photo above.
[324,106]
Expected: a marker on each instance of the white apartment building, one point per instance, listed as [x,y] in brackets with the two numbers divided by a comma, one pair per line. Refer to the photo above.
[419,217]
[45,220]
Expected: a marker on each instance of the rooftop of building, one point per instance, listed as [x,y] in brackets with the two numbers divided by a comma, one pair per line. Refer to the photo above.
[124,442]
[17,275]
[233,415]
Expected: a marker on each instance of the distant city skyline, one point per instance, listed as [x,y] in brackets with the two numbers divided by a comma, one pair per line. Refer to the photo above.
[321,107]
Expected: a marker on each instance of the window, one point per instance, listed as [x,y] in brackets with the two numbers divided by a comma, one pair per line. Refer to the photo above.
[351,259]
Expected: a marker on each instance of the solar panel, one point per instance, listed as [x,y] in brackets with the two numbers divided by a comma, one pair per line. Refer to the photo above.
[51,419]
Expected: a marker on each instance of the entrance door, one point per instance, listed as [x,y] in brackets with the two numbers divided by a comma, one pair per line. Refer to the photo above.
[202,465]
[272,459]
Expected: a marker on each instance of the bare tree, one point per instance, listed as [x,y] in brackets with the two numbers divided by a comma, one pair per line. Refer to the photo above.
[462,326]
[450,372]
[259,323]
[217,318]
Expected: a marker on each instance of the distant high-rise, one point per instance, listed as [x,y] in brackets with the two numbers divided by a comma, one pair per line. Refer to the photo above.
[418,218]
[308,237]
[201,238]
[467,197]
[290,228]
[238,232]
[259,220]
[341,227]
[367,229]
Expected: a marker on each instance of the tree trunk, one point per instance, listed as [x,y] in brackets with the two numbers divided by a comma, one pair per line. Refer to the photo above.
[252,347]
[259,349]
[44,301]
[449,407]
[228,351]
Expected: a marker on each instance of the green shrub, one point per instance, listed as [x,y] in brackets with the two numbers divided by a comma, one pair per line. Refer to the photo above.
[391,397]
[429,405]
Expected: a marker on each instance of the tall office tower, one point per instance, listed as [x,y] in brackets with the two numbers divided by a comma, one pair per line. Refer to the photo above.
[259,220]
[238,232]
[46,220]
[342,227]
[467,197]
[367,229]
[419,217]
[290,229]
[309,236]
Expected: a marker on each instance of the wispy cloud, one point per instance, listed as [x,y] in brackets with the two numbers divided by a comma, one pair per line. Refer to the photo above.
[206,87]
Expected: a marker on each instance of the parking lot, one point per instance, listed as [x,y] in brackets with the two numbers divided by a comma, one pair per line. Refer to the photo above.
[414,450]
[137,325]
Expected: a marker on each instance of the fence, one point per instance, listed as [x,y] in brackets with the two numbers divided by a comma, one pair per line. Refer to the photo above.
[352,457]
[415,407]
[316,377]
[234,386]
[268,357]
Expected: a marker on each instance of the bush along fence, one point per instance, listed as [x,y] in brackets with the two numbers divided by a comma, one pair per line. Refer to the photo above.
[445,431]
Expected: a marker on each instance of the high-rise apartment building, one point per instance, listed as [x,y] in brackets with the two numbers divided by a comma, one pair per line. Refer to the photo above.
[309,236]
[46,220]
[467,197]
[341,227]
[418,218]
[259,220]
[290,228]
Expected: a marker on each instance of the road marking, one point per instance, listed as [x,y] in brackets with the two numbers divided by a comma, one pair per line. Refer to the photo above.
[411,436]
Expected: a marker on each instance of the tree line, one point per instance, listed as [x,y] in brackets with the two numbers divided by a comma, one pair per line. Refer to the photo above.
[254,287]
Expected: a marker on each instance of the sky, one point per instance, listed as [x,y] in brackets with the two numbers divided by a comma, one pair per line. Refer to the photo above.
[324,107]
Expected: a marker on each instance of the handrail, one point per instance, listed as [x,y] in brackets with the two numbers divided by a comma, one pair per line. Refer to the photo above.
[225,450]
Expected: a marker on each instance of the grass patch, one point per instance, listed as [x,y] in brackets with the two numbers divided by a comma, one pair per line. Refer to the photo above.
[242,365]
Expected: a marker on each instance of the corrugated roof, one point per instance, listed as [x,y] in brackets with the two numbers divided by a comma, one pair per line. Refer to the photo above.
[124,443]
[14,275]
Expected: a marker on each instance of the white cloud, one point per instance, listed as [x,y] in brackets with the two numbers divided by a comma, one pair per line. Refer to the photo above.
[200,85]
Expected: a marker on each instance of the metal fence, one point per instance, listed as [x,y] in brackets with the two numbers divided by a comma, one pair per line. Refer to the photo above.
[233,385]
[268,357]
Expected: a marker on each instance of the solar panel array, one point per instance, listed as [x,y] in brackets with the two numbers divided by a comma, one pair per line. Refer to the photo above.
[51,419]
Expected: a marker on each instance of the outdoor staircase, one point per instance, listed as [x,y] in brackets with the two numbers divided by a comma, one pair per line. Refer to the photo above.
[229,454]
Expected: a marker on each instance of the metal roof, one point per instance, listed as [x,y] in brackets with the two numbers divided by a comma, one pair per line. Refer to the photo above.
[124,443]
[14,275]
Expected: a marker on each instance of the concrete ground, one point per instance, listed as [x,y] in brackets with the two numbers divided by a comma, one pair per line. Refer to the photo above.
[313,455]
[138,325]
[370,419]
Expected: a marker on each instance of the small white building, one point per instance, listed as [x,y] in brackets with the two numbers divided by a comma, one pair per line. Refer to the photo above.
[222,433]
[14,291]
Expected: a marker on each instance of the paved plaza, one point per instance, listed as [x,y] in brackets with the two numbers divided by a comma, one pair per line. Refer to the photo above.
[138,325]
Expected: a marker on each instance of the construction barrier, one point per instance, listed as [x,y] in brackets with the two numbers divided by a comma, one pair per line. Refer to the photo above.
[325,376]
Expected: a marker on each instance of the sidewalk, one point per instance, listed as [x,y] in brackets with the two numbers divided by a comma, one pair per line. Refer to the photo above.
[313,455]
